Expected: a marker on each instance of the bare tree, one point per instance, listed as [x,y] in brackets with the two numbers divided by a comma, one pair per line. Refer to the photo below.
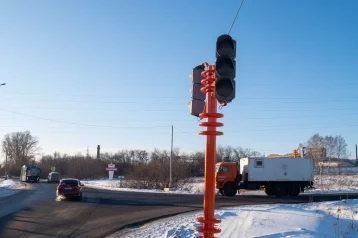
[228,152]
[330,147]
[316,148]
[240,152]
[329,143]
[141,156]
[334,147]
[341,150]
[220,151]
[20,147]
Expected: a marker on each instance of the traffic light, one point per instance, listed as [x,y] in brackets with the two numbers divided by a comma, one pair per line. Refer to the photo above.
[225,69]
[197,102]
[295,153]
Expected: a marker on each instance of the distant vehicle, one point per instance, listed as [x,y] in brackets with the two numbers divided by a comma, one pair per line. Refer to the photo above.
[53,177]
[70,188]
[30,173]
[279,176]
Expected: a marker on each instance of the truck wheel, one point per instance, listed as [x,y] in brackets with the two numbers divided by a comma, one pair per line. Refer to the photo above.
[230,189]
[280,190]
[269,191]
[294,190]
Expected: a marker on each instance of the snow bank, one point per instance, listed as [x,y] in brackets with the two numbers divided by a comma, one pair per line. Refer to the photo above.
[9,184]
[328,219]
[9,187]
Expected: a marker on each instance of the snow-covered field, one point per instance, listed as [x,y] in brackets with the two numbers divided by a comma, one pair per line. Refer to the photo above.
[329,184]
[328,219]
[9,187]
[336,183]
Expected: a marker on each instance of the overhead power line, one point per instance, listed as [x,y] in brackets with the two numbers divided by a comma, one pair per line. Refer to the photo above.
[237,13]
[81,124]
[87,95]
[225,119]
[287,128]
[286,101]
[306,127]
[262,128]
[185,132]
[162,97]
[181,110]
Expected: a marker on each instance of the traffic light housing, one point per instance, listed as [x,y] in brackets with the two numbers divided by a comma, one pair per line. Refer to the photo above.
[197,102]
[225,69]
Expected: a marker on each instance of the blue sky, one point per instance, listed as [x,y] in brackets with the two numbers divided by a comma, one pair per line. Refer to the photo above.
[121,68]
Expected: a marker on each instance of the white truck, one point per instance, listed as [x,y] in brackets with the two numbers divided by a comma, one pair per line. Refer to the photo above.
[279,176]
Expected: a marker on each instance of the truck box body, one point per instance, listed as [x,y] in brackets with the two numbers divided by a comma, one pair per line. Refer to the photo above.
[265,169]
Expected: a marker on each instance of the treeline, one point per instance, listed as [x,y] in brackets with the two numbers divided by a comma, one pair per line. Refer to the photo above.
[149,169]
[332,147]
[133,164]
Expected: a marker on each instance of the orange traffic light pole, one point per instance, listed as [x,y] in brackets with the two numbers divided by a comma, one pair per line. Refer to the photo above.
[295,153]
[208,228]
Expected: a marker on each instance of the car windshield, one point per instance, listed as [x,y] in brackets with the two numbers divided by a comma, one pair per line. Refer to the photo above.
[69,182]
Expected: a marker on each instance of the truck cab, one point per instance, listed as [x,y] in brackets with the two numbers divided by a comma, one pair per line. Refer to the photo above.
[227,177]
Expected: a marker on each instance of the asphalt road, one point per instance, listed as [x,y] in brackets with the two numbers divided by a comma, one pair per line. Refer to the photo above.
[34,212]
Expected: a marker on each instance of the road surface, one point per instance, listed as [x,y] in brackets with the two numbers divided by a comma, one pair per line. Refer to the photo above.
[34,212]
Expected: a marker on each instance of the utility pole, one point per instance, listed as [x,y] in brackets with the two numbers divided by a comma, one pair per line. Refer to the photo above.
[5,163]
[356,154]
[98,151]
[87,155]
[171,157]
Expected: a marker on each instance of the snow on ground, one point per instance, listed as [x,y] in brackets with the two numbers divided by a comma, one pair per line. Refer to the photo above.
[328,219]
[335,183]
[9,187]
[190,188]
[329,184]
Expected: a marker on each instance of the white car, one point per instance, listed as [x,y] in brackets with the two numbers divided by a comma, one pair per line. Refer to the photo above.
[53,177]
